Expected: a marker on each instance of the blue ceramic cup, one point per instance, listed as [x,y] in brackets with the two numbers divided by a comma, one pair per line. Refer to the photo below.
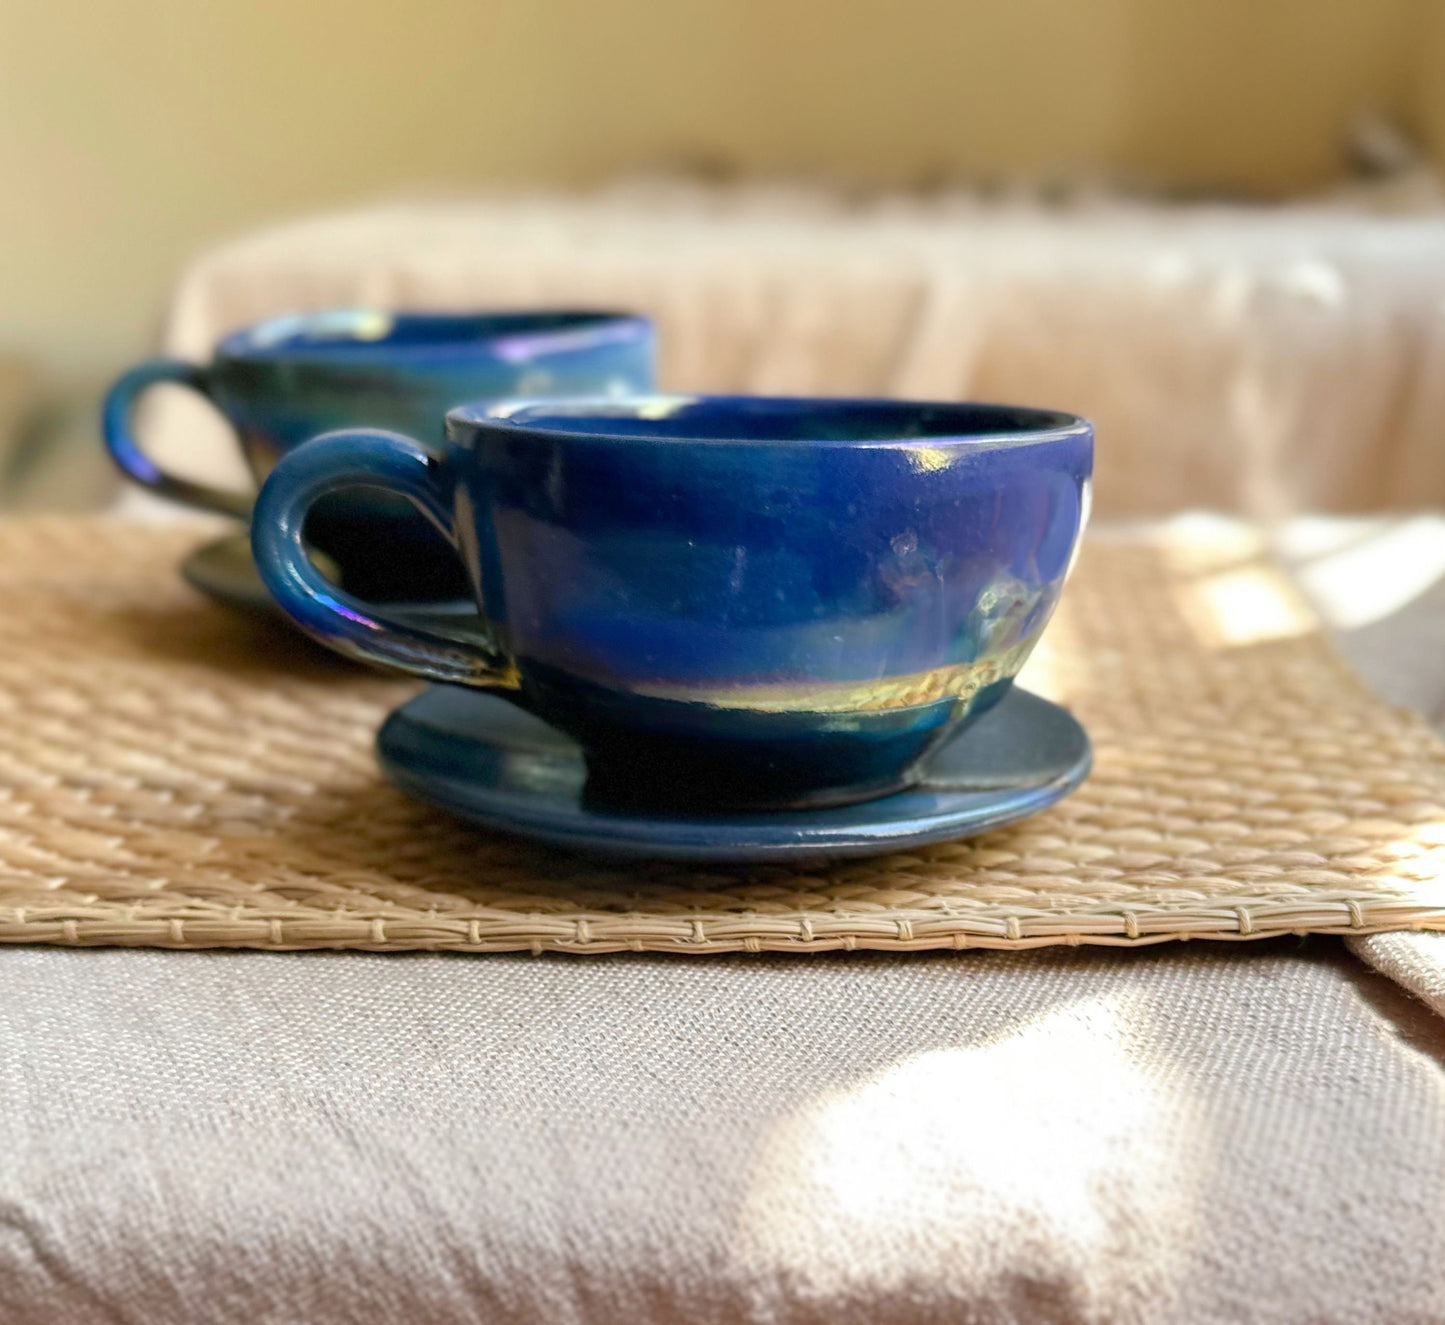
[288,379]
[727,601]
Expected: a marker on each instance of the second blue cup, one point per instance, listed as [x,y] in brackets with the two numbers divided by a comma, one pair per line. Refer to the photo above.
[286,380]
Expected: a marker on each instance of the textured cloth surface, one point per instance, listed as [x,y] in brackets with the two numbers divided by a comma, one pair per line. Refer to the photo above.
[1378,583]
[1195,1134]
[1416,961]
[175,775]
[1263,360]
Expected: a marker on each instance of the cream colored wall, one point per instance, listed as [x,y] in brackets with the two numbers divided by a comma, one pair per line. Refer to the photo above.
[133,132]
[1428,76]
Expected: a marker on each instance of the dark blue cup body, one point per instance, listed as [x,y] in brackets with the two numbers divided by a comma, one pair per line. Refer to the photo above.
[728,601]
[286,380]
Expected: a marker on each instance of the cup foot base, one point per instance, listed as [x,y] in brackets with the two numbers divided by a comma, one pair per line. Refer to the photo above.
[497,766]
[646,753]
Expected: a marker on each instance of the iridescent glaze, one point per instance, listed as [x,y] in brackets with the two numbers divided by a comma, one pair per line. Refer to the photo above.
[726,601]
[288,379]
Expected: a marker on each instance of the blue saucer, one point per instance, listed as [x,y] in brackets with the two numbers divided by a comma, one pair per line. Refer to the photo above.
[488,761]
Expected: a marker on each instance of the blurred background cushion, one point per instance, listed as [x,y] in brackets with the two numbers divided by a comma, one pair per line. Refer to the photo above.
[1263,361]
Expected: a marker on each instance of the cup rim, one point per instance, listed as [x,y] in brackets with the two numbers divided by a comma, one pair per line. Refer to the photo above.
[546,417]
[360,334]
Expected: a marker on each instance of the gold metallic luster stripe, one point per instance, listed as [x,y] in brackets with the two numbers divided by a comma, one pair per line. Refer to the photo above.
[959,681]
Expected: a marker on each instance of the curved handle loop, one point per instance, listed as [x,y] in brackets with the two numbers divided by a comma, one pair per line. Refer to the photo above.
[135,464]
[437,646]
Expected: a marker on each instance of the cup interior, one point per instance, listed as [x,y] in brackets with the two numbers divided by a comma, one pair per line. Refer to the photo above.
[768,419]
[350,333]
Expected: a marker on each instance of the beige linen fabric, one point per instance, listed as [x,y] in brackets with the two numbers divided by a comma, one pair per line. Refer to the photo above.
[1199,1134]
[1416,961]
[1263,360]
[1380,583]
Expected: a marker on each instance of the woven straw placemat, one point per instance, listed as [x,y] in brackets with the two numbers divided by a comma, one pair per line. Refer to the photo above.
[173,774]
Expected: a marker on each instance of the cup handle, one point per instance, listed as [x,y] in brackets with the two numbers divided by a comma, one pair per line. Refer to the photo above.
[441,647]
[135,464]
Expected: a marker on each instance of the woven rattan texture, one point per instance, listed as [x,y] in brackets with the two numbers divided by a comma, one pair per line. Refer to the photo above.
[173,774]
